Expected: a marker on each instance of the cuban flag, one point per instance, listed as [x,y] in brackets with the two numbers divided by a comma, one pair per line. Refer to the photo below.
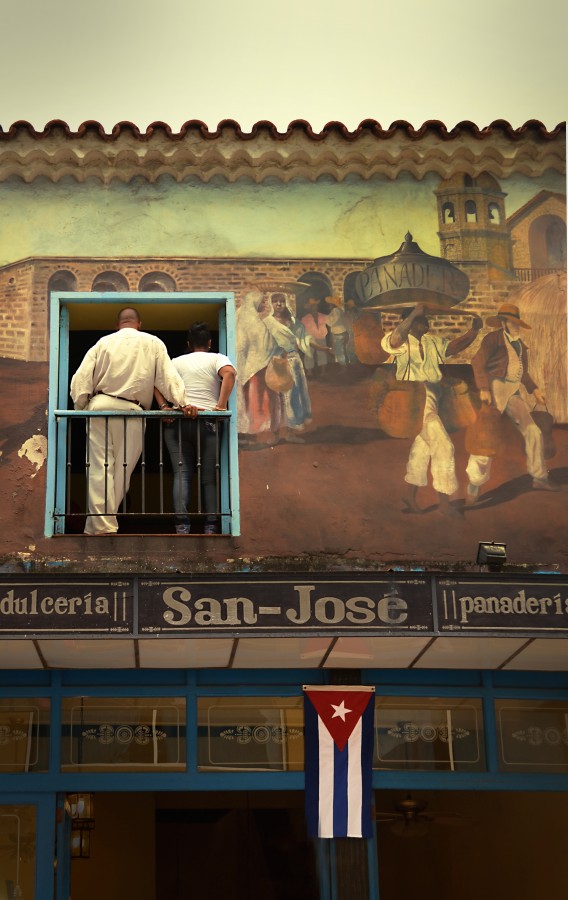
[338,733]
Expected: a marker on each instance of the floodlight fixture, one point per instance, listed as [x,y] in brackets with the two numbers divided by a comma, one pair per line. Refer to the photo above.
[492,555]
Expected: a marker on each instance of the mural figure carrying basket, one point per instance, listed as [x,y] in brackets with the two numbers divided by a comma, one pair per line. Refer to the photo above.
[413,399]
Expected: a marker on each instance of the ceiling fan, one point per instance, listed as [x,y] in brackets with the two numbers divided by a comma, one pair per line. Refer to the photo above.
[410,819]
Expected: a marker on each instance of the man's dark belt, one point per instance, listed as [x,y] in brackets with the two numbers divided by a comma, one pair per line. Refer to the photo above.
[116,397]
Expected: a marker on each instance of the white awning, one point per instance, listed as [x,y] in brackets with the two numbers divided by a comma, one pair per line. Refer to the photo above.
[310,652]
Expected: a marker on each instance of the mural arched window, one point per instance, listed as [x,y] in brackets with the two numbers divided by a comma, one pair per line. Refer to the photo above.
[155,282]
[318,287]
[448,213]
[494,214]
[314,313]
[470,211]
[350,291]
[556,243]
[468,181]
[63,280]
[547,242]
[110,281]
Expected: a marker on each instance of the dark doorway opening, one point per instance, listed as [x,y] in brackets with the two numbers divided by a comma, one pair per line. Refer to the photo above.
[80,342]
[242,845]
[234,845]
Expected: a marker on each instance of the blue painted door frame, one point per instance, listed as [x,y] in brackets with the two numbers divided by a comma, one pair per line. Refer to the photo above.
[45,836]
[59,380]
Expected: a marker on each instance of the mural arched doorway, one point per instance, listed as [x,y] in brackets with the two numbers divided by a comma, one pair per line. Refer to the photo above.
[547,243]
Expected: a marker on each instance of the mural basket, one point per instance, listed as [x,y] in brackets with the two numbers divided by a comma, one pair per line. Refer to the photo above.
[545,421]
[278,375]
[484,437]
[367,336]
[456,408]
[401,413]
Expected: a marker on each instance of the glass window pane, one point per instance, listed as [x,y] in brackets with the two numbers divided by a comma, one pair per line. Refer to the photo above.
[17,852]
[123,733]
[24,735]
[251,733]
[429,733]
[533,735]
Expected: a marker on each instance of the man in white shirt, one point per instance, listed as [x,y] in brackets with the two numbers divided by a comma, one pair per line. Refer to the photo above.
[119,373]
[209,379]
[418,356]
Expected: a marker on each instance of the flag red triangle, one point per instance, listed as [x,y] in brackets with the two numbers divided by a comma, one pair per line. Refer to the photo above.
[339,711]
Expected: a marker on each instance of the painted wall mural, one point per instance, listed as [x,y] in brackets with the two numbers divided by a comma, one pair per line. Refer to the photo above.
[401,349]
[466,425]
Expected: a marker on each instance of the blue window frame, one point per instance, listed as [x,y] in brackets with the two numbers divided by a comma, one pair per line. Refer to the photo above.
[63,307]
[487,686]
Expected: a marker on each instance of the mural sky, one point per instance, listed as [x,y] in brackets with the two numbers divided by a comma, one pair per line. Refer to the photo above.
[324,219]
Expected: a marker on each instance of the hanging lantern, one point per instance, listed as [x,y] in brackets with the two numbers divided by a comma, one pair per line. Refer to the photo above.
[81,842]
[81,809]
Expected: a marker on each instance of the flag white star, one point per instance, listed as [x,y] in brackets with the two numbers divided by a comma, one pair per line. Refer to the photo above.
[340,711]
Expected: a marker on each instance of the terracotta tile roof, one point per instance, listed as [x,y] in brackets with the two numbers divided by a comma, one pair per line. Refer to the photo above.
[126,152]
[535,201]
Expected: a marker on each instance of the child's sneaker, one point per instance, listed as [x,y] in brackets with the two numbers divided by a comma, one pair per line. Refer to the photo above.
[183,529]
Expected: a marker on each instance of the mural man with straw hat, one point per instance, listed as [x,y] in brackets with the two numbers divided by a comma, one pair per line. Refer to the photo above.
[502,376]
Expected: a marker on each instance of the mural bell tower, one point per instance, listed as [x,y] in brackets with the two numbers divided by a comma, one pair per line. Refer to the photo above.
[471,219]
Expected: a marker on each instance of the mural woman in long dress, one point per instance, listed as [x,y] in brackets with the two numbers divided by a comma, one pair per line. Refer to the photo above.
[260,409]
[292,338]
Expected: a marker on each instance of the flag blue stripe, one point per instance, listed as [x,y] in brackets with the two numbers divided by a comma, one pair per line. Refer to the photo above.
[367,743]
[340,800]
[311,767]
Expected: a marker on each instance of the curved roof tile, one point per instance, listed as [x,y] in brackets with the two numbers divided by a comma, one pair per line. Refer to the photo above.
[126,152]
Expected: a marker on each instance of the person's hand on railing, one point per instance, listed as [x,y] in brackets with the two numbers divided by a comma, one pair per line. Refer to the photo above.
[163,406]
[189,411]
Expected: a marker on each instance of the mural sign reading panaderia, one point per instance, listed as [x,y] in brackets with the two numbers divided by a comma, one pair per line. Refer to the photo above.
[428,278]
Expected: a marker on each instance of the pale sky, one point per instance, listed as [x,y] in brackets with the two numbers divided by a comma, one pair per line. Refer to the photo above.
[320,60]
